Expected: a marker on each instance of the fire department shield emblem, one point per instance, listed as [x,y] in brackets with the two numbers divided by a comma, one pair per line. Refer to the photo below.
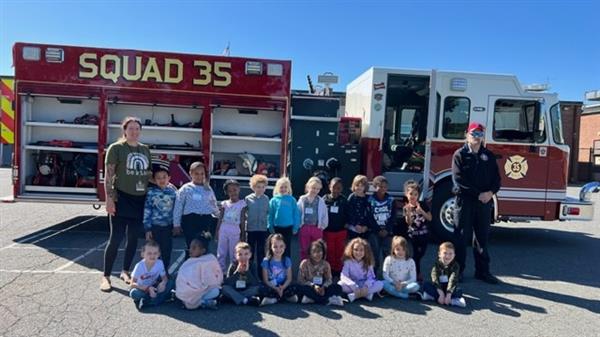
[516,167]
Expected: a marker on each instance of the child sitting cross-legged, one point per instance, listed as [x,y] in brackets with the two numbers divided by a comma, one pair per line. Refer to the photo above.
[315,281]
[399,271]
[150,285]
[199,278]
[241,285]
[443,287]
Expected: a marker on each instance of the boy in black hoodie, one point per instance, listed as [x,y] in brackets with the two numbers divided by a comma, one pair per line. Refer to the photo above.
[241,284]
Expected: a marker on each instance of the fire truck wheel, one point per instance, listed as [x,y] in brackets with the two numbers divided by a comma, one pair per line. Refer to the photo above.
[443,211]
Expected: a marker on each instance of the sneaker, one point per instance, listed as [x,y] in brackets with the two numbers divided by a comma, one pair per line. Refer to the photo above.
[292,299]
[307,300]
[351,297]
[370,297]
[254,301]
[125,277]
[416,296]
[140,304]
[336,300]
[458,302]
[268,301]
[209,304]
[105,284]
[426,297]
[487,278]
[245,301]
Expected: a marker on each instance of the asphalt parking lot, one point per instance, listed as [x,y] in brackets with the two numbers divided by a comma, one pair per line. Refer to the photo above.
[51,257]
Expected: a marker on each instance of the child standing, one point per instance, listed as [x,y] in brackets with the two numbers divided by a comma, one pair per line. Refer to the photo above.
[277,272]
[158,213]
[241,285]
[384,215]
[360,213]
[358,278]
[443,287]
[230,223]
[199,278]
[284,216]
[399,272]
[257,211]
[150,285]
[417,217]
[313,215]
[315,281]
[335,234]
[195,206]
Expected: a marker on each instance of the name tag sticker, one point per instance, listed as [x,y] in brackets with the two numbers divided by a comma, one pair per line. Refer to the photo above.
[308,210]
[334,209]
[240,284]
[317,280]
[197,197]
[443,279]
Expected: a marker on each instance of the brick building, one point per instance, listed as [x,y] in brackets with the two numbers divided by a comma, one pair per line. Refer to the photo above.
[571,115]
[589,136]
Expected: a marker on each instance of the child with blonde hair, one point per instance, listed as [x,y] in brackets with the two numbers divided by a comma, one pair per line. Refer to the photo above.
[443,287]
[284,215]
[399,271]
[358,277]
[257,212]
[360,213]
[313,215]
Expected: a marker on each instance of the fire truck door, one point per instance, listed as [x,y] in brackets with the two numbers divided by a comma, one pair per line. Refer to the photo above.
[516,133]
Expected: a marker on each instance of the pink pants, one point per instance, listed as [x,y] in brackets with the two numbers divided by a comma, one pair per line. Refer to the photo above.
[229,236]
[308,234]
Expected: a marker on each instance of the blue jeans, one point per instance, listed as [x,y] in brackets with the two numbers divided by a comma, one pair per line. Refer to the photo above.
[138,294]
[410,288]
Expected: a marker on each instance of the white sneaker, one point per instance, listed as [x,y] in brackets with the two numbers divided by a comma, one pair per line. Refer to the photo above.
[336,300]
[352,297]
[307,300]
[458,302]
[292,299]
[370,297]
[426,297]
[141,304]
[268,301]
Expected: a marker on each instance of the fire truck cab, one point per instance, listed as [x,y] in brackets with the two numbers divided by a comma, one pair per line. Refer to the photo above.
[414,120]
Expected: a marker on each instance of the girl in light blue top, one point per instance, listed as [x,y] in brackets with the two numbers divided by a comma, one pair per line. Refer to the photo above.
[284,215]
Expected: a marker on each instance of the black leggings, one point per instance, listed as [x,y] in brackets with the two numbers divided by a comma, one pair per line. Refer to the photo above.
[419,246]
[118,227]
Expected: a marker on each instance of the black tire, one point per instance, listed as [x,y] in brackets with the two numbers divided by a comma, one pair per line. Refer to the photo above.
[442,193]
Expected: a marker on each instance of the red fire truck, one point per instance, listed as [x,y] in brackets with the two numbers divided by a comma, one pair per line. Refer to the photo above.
[413,121]
[233,114]
[230,112]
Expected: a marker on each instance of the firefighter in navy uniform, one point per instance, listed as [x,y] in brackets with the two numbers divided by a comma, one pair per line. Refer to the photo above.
[475,174]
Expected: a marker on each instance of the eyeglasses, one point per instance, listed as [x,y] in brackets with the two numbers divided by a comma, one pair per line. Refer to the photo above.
[477,134]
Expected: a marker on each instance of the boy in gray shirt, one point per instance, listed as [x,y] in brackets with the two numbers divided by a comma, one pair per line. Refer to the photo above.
[256,217]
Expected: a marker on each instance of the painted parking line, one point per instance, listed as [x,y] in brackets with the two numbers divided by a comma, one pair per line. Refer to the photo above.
[26,239]
[177,262]
[64,230]
[70,263]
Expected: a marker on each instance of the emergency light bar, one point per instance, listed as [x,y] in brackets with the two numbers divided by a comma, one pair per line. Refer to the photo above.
[31,53]
[253,68]
[54,55]
[458,84]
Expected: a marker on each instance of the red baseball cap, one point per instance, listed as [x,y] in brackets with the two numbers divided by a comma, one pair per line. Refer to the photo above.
[474,126]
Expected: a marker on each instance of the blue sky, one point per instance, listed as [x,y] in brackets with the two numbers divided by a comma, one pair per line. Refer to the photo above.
[539,41]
